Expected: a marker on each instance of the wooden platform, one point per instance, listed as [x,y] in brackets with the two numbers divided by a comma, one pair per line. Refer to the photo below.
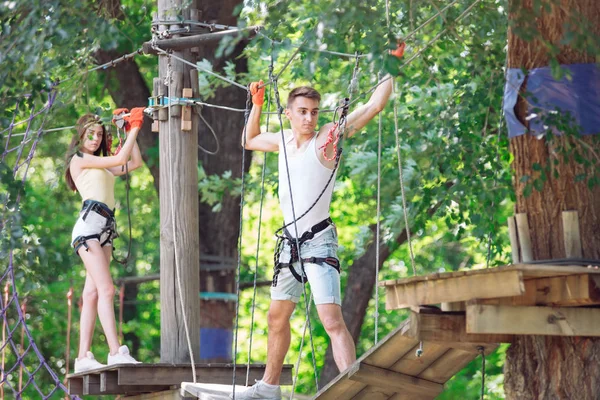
[208,391]
[520,299]
[392,369]
[134,379]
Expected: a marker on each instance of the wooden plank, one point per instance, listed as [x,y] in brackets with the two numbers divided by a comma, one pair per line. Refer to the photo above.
[482,286]
[450,330]
[573,290]
[523,320]
[447,365]
[392,381]
[165,395]
[571,235]
[412,364]
[524,237]
[453,306]
[203,391]
[109,384]
[161,374]
[91,384]
[75,385]
[514,239]
[530,271]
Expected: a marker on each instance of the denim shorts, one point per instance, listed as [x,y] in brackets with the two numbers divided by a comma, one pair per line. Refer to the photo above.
[96,222]
[324,280]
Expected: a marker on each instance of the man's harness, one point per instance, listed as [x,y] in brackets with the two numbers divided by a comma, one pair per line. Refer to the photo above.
[306,236]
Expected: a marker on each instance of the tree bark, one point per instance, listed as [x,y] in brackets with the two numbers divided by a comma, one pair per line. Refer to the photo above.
[539,367]
[219,231]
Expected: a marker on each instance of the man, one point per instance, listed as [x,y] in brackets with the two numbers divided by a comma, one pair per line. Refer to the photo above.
[306,162]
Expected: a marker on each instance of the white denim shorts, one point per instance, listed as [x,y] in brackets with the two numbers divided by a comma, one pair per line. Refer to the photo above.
[324,280]
[96,222]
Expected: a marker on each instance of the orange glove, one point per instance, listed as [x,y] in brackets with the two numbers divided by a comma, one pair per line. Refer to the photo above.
[258,95]
[135,119]
[399,52]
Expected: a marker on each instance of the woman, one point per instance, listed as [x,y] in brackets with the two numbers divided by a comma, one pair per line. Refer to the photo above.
[91,171]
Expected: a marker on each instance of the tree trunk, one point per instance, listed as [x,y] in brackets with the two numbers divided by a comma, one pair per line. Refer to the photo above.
[542,367]
[219,231]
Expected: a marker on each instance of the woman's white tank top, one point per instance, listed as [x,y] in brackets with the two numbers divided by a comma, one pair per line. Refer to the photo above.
[308,178]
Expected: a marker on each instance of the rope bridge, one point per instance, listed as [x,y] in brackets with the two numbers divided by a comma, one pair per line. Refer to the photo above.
[25,372]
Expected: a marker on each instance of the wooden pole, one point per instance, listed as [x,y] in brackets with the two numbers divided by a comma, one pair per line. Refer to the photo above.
[179,247]
[188,42]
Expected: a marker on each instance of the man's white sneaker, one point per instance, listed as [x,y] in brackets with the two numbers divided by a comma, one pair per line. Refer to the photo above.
[87,363]
[260,390]
[122,357]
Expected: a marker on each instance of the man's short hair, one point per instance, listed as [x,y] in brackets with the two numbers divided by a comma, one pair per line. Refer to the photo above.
[303,91]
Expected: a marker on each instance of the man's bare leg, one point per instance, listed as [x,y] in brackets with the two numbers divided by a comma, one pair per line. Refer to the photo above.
[278,341]
[344,352]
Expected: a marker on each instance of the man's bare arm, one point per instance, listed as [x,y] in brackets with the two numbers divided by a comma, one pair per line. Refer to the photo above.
[252,138]
[360,117]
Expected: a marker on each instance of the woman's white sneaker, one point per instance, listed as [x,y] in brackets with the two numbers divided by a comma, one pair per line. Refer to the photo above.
[87,363]
[122,357]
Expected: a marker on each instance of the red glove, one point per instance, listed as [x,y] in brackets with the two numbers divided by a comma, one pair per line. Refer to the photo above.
[135,119]
[258,95]
[399,52]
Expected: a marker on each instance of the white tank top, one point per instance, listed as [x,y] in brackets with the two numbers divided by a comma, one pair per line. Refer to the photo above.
[308,178]
[97,184]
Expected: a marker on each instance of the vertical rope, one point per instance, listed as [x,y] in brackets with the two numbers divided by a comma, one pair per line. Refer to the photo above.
[21,349]
[262,197]
[241,235]
[306,299]
[481,350]
[121,304]
[69,319]
[6,291]
[378,230]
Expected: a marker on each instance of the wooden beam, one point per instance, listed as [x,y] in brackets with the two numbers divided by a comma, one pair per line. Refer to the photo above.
[187,42]
[393,381]
[524,237]
[109,384]
[75,385]
[450,329]
[173,394]
[91,384]
[161,374]
[573,290]
[522,320]
[482,286]
[571,235]
[514,239]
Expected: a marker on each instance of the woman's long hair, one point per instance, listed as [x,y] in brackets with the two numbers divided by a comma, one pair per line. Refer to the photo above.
[83,124]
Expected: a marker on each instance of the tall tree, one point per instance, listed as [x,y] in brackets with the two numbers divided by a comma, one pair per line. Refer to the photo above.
[543,366]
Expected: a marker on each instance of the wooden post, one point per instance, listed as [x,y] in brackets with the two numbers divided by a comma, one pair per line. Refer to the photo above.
[514,240]
[570,220]
[179,232]
[524,237]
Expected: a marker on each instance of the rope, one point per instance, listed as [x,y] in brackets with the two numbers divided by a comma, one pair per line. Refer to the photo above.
[306,300]
[481,351]
[378,229]
[262,197]
[241,229]
[213,133]
[159,50]
[174,231]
